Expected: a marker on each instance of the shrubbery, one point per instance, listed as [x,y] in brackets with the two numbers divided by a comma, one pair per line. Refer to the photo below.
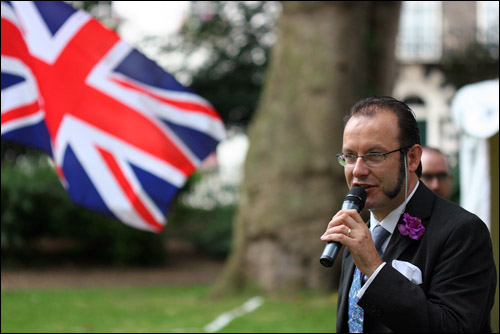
[36,207]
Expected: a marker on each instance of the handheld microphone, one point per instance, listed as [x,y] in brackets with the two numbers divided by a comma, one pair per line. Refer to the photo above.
[355,199]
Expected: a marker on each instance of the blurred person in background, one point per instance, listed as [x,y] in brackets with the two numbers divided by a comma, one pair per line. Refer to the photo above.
[436,172]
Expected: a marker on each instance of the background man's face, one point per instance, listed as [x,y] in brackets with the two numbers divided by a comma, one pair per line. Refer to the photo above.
[436,173]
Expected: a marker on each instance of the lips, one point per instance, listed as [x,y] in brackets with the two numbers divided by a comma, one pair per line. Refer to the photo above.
[364,186]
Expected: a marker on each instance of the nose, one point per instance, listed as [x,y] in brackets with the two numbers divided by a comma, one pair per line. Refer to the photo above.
[434,183]
[360,168]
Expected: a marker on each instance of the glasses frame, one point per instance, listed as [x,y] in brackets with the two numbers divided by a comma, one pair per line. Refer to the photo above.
[440,176]
[342,161]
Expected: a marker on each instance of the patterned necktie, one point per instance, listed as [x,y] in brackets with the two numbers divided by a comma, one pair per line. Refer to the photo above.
[355,313]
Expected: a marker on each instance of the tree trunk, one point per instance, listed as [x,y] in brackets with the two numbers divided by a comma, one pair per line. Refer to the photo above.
[328,56]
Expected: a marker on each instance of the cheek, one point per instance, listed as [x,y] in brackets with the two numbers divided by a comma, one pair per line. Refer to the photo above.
[387,182]
[348,176]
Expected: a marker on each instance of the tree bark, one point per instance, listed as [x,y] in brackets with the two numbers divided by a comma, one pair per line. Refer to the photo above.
[328,56]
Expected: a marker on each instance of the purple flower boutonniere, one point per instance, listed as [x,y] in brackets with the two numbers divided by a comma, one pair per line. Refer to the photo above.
[413,227]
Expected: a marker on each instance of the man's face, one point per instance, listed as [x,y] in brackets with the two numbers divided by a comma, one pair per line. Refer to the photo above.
[384,183]
[436,173]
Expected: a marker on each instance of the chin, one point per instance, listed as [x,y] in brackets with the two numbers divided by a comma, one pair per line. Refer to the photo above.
[368,205]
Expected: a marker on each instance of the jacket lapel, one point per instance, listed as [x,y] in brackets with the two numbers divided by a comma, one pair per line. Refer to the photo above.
[343,297]
[419,206]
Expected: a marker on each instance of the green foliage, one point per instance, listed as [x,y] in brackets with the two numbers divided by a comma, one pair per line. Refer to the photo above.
[455,187]
[477,62]
[237,36]
[36,207]
[206,228]
[24,190]
[209,231]
[159,310]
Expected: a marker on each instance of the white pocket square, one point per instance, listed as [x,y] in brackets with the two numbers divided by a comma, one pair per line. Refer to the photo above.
[410,271]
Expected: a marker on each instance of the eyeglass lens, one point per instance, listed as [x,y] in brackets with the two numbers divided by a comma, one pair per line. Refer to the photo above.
[442,176]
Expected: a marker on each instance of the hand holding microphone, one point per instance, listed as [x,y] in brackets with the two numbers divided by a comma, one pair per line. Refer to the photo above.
[355,199]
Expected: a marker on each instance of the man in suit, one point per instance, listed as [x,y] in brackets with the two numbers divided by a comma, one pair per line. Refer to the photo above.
[433,271]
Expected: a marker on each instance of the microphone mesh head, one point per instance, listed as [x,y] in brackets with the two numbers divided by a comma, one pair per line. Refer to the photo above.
[357,195]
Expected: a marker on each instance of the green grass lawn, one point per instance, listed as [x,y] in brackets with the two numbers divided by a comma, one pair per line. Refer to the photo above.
[166,309]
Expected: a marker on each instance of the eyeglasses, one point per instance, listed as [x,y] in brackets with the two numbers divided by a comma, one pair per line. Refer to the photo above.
[441,177]
[370,159]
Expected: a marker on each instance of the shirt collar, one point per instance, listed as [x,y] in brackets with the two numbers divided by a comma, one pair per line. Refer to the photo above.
[391,220]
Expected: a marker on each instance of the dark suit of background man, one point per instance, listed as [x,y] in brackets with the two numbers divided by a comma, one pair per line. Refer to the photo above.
[436,272]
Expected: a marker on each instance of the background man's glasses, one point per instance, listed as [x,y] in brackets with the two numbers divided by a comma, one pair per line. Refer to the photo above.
[441,177]
[370,159]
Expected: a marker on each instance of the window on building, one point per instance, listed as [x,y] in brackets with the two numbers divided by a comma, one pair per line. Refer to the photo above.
[414,100]
[487,22]
[420,31]
[422,127]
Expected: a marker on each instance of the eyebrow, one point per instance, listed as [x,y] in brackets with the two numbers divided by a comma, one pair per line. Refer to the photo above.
[369,150]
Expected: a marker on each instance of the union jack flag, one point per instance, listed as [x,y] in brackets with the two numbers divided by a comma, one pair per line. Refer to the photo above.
[124,135]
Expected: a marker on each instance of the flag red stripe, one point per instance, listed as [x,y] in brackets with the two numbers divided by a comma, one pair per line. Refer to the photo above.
[186,106]
[20,112]
[129,191]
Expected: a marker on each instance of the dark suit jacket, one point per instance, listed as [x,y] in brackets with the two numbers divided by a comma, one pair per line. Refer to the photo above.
[458,272]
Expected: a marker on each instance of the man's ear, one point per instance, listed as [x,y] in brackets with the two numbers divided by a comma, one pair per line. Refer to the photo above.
[414,156]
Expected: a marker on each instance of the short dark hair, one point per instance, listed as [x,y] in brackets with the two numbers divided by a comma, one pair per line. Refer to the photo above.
[409,134]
